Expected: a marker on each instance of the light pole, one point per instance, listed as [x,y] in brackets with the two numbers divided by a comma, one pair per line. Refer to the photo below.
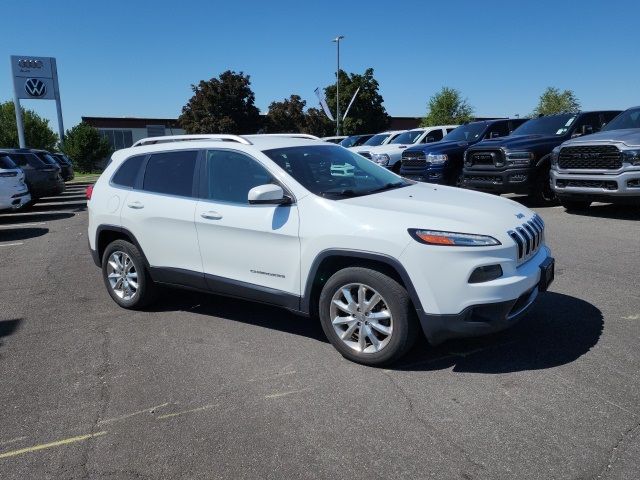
[337,42]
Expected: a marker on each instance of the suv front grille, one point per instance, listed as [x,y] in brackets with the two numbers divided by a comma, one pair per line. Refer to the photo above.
[528,237]
[602,157]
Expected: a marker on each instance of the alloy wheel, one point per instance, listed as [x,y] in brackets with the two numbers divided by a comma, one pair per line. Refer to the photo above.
[361,318]
[122,275]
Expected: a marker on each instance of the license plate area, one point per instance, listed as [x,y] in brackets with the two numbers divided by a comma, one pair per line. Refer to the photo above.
[547,274]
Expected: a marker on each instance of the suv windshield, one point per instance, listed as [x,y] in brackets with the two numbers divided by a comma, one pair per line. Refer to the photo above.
[6,162]
[627,119]
[408,137]
[334,172]
[377,139]
[551,125]
[466,133]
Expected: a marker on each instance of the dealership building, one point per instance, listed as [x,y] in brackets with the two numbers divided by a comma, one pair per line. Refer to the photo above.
[122,132]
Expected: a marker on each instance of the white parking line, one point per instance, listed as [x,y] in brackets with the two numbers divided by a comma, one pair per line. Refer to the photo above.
[23,225]
[11,244]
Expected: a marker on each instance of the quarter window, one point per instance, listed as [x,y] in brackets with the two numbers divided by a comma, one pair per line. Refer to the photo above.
[230,176]
[128,172]
[171,173]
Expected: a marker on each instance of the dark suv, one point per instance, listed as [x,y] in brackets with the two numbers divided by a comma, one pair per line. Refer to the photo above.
[65,165]
[42,178]
[441,162]
[520,163]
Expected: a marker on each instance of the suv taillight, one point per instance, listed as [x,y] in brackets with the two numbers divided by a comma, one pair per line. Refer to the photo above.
[89,192]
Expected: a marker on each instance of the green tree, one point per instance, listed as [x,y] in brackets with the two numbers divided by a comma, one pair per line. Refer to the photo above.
[554,101]
[447,107]
[222,105]
[367,114]
[86,147]
[317,123]
[37,132]
[286,116]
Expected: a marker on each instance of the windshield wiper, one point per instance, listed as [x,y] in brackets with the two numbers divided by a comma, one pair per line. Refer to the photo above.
[341,193]
[388,186]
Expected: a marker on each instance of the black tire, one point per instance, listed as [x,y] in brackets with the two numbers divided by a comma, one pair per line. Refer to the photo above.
[405,324]
[575,205]
[542,193]
[147,289]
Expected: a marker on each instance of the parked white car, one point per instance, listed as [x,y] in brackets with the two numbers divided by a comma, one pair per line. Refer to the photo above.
[14,193]
[390,154]
[284,221]
[378,139]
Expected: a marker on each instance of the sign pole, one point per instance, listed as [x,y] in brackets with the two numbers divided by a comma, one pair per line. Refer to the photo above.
[19,123]
[56,88]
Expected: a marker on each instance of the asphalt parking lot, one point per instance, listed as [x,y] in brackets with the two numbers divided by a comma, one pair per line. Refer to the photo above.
[207,387]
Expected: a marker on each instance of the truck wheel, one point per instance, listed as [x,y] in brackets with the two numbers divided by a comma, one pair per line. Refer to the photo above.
[126,277]
[542,193]
[575,205]
[367,316]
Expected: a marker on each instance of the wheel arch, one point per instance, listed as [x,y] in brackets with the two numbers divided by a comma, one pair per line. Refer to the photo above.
[105,234]
[328,262]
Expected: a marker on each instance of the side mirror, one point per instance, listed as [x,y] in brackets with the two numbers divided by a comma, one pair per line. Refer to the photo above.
[268,194]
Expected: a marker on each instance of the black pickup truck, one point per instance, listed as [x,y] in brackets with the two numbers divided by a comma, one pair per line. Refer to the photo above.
[520,163]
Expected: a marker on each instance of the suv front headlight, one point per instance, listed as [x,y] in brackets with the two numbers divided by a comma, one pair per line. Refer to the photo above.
[452,239]
[632,157]
[437,158]
[519,158]
[380,158]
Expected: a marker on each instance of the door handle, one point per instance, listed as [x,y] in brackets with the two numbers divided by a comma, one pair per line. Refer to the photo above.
[136,205]
[211,215]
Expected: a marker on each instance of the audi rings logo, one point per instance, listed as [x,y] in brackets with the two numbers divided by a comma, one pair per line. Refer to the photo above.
[35,87]
[29,63]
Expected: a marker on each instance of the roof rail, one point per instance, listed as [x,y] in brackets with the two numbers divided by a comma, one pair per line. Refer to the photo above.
[185,138]
[286,135]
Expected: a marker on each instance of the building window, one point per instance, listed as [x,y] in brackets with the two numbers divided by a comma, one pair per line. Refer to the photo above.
[118,138]
[155,130]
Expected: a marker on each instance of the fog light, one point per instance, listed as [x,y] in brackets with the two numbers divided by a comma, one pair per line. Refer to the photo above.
[634,183]
[485,274]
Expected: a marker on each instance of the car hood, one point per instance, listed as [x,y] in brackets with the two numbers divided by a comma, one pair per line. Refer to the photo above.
[441,147]
[518,141]
[441,208]
[627,136]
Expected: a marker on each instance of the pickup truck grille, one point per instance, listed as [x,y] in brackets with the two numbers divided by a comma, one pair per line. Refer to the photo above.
[528,237]
[602,157]
[414,159]
[484,157]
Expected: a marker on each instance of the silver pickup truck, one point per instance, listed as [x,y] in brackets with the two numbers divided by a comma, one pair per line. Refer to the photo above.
[603,167]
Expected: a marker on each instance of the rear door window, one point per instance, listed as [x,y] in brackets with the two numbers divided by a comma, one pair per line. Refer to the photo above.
[127,174]
[171,173]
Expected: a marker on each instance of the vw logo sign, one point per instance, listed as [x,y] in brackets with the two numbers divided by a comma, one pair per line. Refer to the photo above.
[35,87]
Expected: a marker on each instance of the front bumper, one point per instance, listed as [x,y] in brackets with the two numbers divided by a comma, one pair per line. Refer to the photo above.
[432,174]
[513,180]
[621,186]
[448,306]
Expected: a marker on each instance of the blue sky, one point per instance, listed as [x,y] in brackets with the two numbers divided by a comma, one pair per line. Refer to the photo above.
[138,58]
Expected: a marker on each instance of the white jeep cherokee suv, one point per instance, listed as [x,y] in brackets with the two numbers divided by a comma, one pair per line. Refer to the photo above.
[319,230]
